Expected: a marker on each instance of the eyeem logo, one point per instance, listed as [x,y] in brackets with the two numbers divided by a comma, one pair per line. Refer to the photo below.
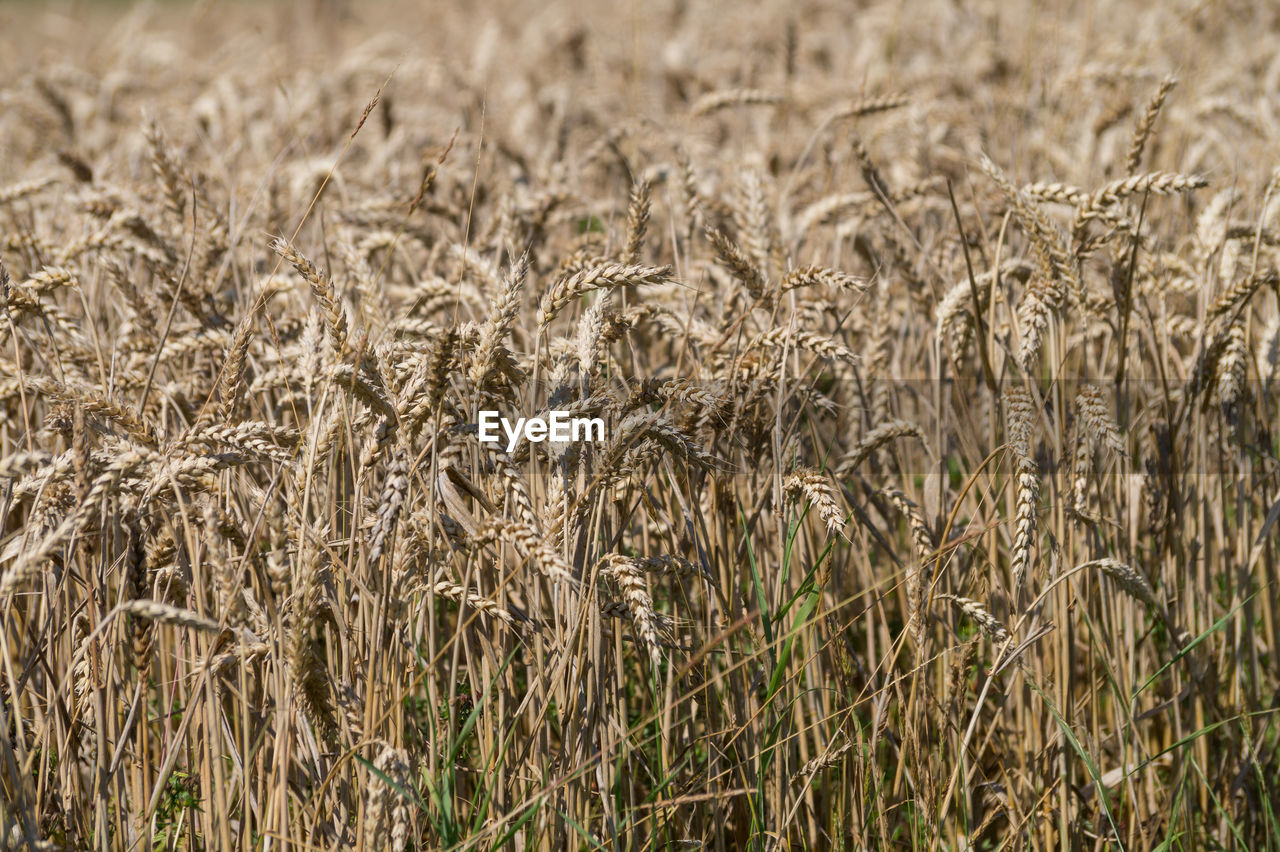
[559,427]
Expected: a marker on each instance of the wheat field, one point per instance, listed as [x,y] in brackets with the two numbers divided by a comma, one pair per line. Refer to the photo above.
[937,350]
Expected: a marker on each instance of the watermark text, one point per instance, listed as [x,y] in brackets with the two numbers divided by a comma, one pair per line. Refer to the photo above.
[558,426]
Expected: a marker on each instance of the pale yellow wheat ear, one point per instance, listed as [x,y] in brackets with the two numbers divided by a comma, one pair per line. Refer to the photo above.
[455,592]
[532,544]
[817,490]
[166,168]
[1126,579]
[874,440]
[1057,275]
[603,276]
[387,803]
[1095,203]
[743,267]
[716,101]
[1142,132]
[1240,291]
[810,276]
[1232,366]
[1096,430]
[637,221]
[867,106]
[1099,423]
[981,616]
[498,324]
[1020,423]
[167,614]
[303,649]
[799,339]
[919,570]
[17,464]
[390,503]
[18,191]
[334,313]
[834,753]
[630,580]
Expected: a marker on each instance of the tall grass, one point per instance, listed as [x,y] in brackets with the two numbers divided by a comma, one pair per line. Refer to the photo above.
[937,502]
